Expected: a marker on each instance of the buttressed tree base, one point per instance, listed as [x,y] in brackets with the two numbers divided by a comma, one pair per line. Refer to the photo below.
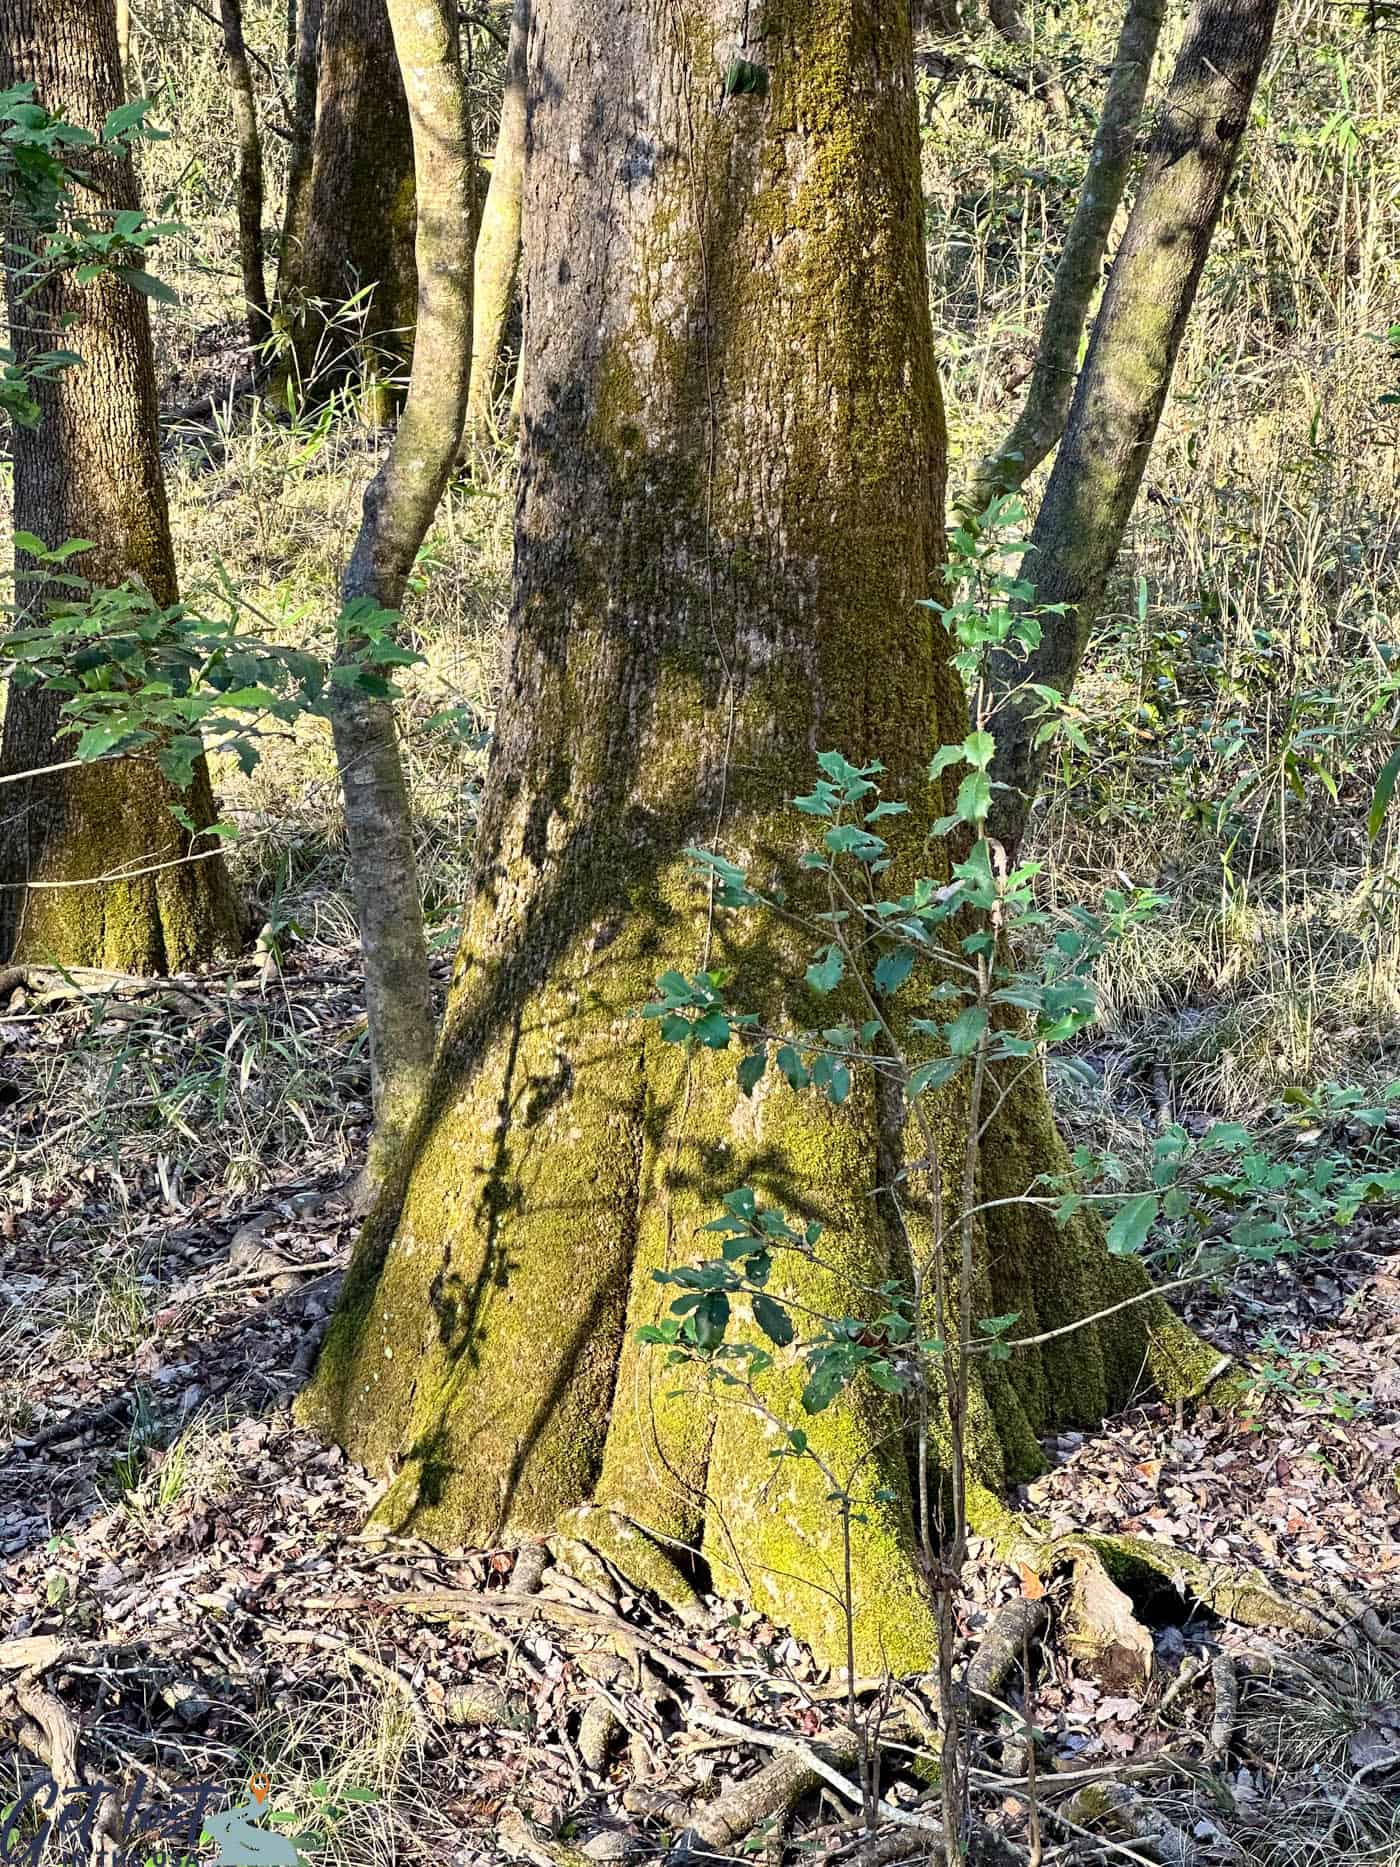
[733,482]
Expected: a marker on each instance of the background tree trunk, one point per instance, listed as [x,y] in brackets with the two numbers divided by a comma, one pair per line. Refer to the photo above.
[297,212]
[360,227]
[250,172]
[1042,418]
[498,239]
[1128,369]
[733,463]
[91,469]
[399,507]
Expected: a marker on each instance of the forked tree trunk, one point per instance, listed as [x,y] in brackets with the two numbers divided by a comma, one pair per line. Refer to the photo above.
[732,461]
[359,233]
[250,172]
[1042,418]
[1127,372]
[91,469]
[497,266]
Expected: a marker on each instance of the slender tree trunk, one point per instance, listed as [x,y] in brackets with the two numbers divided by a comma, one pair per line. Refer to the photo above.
[289,304]
[360,229]
[1127,372]
[498,239]
[297,213]
[399,507]
[91,469]
[732,467]
[250,172]
[1042,418]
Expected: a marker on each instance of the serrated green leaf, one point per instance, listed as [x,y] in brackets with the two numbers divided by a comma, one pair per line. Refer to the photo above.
[824,975]
[1133,1222]
[892,969]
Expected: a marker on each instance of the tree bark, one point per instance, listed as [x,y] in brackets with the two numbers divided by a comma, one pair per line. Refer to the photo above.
[733,462]
[1128,369]
[297,212]
[1042,418]
[91,469]
[360,228]
[250,172]
[399,507]
[497,264]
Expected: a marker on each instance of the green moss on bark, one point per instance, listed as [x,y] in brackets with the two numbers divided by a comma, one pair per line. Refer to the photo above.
[731,484]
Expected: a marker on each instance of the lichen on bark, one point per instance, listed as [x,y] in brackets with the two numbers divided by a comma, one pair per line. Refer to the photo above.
[733,462]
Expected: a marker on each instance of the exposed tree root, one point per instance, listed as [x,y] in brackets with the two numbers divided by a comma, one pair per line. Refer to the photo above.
[638,1557]
[1011,1629]
[1225,1683]
[1239,1595]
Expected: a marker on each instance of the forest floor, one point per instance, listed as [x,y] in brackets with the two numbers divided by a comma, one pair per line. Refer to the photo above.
[186,1584]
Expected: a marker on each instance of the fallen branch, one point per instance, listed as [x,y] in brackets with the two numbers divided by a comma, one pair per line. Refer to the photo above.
[1225,1682]
[805,1754]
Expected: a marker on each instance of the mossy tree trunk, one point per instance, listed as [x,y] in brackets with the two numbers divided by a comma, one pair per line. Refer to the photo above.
[91,469]
[733,459]
[1127,371]
[358,242]
[497,265]
[296,214]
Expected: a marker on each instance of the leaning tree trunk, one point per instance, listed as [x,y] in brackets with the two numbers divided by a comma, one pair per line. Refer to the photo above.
[399,507]
[732,461]
[1042,418]
[358,241]
[498,239]
[1128,370]
[91,469]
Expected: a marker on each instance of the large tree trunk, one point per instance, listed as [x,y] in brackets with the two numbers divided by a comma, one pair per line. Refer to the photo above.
[497,264]
[1127,372]
[91,469]
[399,507]
[359,230]
[732,464]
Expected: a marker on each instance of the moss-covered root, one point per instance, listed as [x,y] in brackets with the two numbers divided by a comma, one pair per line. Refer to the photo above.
[1235,1594]
[637,1556]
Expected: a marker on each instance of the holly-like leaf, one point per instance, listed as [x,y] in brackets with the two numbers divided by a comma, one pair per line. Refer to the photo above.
[1133,1222]
[772,1319]
[824,975]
